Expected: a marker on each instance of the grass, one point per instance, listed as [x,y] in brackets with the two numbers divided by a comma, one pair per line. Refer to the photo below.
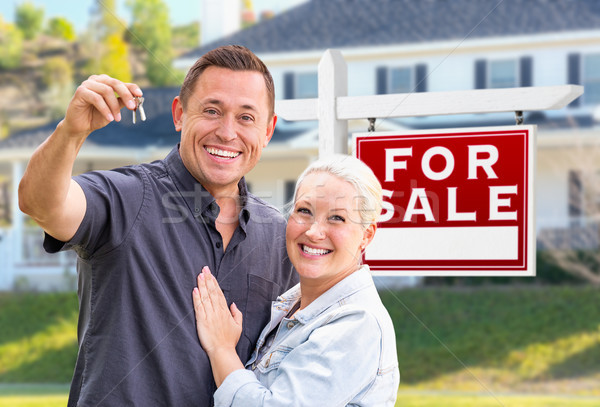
[33,395]
[474,400]
[484,346]
[523,339]
[38,339]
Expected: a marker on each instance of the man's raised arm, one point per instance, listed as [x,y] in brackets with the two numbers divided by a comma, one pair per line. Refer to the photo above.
[47,193]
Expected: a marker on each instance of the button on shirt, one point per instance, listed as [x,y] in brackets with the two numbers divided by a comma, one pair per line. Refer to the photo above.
[340,350]
[147,232]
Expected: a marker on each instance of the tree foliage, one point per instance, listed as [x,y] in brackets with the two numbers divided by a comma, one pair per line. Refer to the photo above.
[29,19]
[60,27]
[11,45]
[186,36]
[112,57]
[151,31]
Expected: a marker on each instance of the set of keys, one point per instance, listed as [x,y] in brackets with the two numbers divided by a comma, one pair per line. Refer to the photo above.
[139,101]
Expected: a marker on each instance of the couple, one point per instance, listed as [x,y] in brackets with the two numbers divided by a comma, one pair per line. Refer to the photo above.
[138,342]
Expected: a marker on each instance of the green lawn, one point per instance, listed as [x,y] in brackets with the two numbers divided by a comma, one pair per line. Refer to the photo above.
[33,395]
[459,400]
[469,346]
[56,396]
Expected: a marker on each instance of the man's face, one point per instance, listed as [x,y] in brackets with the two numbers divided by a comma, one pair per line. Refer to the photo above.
[224,126]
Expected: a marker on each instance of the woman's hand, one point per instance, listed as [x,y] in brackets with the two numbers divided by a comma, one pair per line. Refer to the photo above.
[219,328]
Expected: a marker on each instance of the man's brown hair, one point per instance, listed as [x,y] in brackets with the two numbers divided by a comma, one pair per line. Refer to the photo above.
[234,57]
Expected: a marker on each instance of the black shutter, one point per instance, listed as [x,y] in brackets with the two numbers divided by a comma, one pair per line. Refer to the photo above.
[574,74]
[480,74]
[575,194]
[288,85]
[526,71]
[382,80]
[421,78]
[290,188]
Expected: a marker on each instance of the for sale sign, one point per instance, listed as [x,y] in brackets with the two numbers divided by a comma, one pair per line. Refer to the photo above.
[457,202]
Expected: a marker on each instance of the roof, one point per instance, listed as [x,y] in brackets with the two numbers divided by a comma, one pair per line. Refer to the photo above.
[157,131]
[323,24]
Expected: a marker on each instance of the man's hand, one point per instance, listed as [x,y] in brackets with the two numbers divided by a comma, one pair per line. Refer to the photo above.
[97,102]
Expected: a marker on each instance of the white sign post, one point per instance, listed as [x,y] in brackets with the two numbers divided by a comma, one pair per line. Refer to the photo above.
[333,108]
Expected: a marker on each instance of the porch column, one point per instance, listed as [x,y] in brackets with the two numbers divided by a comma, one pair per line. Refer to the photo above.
[18,167]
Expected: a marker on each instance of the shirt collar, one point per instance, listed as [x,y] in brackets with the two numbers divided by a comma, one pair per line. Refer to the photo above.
[197,198]
[356,281]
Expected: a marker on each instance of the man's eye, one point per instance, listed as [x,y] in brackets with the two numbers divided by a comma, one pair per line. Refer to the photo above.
[211,111]
[247,118]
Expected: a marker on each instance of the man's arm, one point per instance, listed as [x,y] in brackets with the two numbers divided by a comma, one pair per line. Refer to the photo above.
[47,193]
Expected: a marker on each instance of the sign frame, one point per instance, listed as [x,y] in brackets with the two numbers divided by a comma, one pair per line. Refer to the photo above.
[521,266]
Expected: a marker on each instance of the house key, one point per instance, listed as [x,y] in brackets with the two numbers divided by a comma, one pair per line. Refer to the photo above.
[139,101]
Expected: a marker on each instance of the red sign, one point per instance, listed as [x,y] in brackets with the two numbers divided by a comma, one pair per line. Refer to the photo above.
[456,202]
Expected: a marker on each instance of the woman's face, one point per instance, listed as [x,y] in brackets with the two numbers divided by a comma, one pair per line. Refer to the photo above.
[325,235]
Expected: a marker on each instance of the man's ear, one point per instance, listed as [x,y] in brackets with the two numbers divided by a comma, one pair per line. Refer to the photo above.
[270,130]
[177,112]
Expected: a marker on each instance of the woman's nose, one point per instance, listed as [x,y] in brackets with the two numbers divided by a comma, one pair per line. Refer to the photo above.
[315,231]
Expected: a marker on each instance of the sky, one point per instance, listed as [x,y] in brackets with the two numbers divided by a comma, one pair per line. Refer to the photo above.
[77,11]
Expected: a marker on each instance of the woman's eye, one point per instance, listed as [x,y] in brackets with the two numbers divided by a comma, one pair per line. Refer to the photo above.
[303,211]
[338,218]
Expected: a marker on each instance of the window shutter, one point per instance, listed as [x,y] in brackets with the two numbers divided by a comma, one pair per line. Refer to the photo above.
[574,74]
[526,71]
[288,85]
[575,194]
[382,80]
[480,74]
[421,78]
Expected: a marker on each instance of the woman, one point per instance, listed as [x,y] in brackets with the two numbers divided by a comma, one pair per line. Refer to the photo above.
[330,341]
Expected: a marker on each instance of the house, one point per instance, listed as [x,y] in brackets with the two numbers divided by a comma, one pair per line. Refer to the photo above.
[390,46]
[404,46]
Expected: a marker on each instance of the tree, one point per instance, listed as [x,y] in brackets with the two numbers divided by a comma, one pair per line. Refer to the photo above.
[60,27]
[112,56]
[186,37]
[151,31]
[29,19]
[11,45]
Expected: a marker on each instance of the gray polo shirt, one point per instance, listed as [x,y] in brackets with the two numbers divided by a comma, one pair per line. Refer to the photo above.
[147,232]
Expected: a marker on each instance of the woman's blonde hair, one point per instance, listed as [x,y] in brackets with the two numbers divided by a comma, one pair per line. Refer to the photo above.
[359,175]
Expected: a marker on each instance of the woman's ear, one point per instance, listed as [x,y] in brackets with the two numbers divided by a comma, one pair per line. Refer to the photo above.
[368,235]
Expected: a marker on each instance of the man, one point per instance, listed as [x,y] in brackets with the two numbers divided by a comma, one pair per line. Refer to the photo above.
[144,232]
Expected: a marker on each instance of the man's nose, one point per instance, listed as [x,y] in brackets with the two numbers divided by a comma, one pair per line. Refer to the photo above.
[226,129]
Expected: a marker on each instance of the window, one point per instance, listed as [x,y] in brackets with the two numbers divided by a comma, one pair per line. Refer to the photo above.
[404,79]
[303,85]
[503,74]
[401,80]
[307,85]
[591,78]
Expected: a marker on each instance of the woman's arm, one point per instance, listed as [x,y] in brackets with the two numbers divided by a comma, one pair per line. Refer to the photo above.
[219,328]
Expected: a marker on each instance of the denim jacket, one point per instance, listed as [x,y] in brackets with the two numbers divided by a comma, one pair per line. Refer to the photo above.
[340,350]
